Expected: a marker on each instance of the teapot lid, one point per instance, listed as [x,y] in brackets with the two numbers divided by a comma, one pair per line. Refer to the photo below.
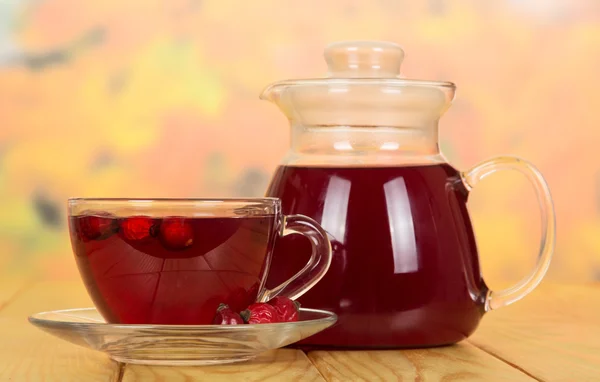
[363,88]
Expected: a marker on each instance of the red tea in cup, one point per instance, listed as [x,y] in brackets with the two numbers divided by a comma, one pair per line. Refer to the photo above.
[174,261]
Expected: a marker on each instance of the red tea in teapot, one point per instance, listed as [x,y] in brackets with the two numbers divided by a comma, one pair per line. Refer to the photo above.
[405,268]
[365,162]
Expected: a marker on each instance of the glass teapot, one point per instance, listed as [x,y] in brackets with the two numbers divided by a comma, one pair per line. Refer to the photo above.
[365,163]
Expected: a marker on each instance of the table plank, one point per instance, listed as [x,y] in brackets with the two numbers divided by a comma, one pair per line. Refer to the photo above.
[553,334]
[462,362]
[550,301]
[279,365]
[28,354]
[10,287]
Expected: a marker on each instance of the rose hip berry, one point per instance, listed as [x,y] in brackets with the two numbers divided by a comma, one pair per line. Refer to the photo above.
[260,313]
[286,308]
[137,227]
[176,233]
[226,316]
[96,227]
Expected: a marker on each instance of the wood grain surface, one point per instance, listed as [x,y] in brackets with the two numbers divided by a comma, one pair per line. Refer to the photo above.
[10,287]
[552,335]
[462,362]
[28,354]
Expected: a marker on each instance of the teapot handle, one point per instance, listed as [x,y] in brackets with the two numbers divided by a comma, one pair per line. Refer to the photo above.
[470,178]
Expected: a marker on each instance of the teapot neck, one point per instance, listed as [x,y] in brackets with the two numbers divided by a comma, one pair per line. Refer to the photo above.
[364,145]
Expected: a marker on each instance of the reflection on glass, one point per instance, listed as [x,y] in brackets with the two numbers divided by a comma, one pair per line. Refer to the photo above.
[402,230]
[342,146]
[335,208]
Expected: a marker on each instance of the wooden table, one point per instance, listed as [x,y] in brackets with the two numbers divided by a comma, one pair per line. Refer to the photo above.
[553,335]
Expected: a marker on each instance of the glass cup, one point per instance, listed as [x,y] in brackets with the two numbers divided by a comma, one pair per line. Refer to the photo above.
[173,261]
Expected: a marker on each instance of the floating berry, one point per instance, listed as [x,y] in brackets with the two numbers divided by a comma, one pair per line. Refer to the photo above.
[176,233]
[260,313]
[98,226]
[286,308]
[226,316]
[137,227]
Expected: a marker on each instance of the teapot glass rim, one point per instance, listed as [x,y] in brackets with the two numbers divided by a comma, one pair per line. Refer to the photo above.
[366,81]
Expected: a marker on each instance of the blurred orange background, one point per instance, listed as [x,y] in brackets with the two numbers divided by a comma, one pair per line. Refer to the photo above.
[144,98]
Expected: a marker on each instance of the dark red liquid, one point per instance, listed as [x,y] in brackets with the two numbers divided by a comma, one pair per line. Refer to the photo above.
[174,277]
[405,270]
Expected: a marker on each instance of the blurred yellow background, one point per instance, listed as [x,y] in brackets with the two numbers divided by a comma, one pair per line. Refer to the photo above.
[143,98]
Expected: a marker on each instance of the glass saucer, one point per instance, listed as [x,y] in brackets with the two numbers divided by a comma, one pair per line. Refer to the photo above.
[178,344]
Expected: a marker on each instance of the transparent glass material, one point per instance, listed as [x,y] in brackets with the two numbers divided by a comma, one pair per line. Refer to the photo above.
[178,344]
[363,113]
[364,162]
[173,261]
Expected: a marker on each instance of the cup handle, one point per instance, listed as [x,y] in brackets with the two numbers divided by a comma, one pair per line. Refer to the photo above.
[495,300]
[317,265]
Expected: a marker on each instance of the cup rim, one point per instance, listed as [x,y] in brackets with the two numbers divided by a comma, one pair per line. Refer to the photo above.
[82,200]
[185,207]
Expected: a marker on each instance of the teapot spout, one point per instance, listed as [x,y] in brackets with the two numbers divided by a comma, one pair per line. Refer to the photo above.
[277,94]
[271,93]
